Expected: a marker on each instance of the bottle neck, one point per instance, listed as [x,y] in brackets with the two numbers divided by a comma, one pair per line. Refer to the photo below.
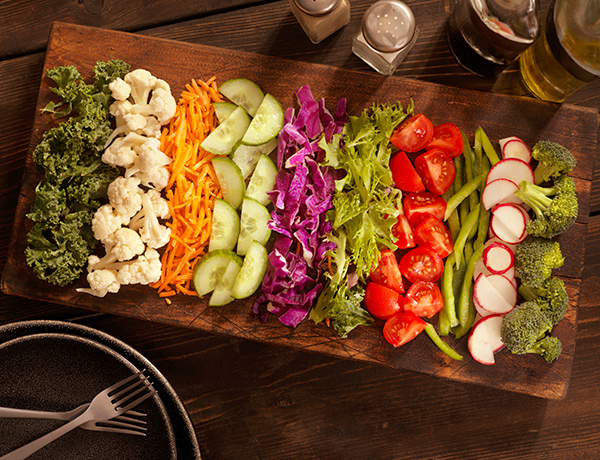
[561,54]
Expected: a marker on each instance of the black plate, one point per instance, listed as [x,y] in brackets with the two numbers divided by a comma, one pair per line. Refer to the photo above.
[51,365]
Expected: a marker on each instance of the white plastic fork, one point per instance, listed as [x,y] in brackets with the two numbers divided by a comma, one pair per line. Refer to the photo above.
[125,424]
[110,403]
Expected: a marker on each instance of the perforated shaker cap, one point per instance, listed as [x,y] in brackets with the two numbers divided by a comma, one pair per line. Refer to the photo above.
[388,25]
[317,7]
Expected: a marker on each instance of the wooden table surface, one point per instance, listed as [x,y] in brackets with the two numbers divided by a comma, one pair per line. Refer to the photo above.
[248,400]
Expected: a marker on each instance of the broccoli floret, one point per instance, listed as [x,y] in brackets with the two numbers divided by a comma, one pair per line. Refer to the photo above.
[555,207]
[535,258]
[548,347]
[524,325]
[553,160]
[553,293]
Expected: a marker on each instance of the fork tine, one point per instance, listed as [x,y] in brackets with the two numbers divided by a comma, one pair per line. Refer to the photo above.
[150,393]
[124,381]
[115,394]
[116,423]
[111,429]
[129,392]
[132,420]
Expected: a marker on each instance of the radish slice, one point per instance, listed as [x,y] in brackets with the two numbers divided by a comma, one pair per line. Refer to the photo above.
[483,340]
[494,323]
[495,239]
[491,294]
[509,223]
[498,258]
[513,169]
[499,191]
[480,268]
[513,147]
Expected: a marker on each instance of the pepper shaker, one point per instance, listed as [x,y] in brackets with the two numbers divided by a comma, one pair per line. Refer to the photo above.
[321,18]
[387,34]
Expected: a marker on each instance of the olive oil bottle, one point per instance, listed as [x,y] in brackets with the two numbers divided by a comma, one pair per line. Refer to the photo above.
[567,55]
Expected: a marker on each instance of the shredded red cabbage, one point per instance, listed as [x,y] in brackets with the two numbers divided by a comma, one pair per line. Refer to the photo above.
[302,195]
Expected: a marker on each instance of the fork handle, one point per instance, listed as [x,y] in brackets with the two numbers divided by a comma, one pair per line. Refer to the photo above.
[28,449]
[9,412]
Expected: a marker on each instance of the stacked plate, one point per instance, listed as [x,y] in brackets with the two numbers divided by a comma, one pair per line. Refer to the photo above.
[56,366]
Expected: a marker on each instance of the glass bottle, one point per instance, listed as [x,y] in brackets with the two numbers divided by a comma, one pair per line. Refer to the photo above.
[387,34]
[567,55]
[488,35]
[321,18]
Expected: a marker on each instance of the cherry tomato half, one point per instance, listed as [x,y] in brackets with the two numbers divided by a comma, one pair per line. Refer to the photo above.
[421,264]
[387,272]
[423,299]
[447,136]
[436,169]
[419,206]
[413,134]
[382,302]
[434,234]
[402,328]
[403,233]
[404,175]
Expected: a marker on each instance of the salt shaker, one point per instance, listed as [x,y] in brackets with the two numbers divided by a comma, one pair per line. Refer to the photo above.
[321,18]
[387,34]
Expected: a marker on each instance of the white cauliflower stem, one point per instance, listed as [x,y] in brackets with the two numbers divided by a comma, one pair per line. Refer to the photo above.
[153,233]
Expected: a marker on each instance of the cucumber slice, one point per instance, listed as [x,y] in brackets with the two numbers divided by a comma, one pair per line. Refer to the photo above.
[231,180]
[253,225]
[222,292]
[223,110]
[262,180]
[243,92]
[246,156]
[266,124]
[211,268]
[225,226]
[224,137]
[253,271]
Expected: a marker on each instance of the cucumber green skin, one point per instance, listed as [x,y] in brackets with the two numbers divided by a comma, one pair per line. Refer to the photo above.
[226,220]
[231,180]
[223,110]
[252,272]
[254,211]
[225,136]
[210,269]
[243,92]
[247,156]
[262,180]
[222,293]
[266,124]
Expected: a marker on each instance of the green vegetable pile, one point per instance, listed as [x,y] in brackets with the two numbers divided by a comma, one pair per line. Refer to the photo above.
[75,178]
[366,204]
[553,199]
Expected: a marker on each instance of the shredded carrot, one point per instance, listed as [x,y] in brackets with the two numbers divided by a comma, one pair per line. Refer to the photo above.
[192,187]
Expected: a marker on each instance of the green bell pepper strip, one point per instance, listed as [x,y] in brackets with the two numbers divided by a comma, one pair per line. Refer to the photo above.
[462,194]
[487,146]
[468,225]
[433,335]
[464,307]
[447,318]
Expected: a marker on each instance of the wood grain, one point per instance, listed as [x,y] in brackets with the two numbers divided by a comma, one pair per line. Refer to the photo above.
[177,63]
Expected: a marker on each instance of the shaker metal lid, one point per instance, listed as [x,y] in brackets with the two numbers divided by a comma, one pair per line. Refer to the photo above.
[317,7]
[388,25]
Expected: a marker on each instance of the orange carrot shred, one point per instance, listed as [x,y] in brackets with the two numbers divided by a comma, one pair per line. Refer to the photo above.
[192,187]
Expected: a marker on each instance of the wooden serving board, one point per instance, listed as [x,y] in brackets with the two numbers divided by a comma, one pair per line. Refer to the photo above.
[499,115]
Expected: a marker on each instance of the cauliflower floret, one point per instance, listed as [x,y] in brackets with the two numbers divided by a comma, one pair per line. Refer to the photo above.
[122,245]
[120,89]
[150,165]
[153,233]
[155,179]
[143,270]
[125,195]
[101,283]
[127,120]
[106,222]
[141,82]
